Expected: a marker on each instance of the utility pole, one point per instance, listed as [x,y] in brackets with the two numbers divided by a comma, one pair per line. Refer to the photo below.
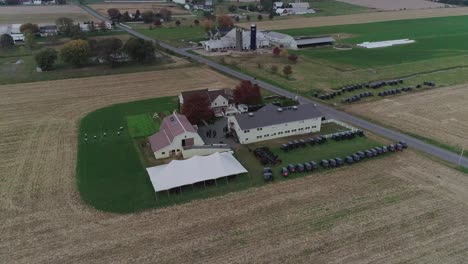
[461,156]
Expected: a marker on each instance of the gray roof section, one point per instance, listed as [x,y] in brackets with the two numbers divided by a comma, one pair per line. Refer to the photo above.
[269,115]
[308,41]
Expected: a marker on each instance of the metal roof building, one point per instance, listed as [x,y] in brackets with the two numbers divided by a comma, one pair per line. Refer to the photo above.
[274,122]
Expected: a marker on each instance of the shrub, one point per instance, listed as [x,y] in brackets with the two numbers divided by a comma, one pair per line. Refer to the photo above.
[292,58]
[45,59]
[6,41]
[76,52]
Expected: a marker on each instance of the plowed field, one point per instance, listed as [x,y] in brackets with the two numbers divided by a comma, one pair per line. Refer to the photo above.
[440,114]
[306,22]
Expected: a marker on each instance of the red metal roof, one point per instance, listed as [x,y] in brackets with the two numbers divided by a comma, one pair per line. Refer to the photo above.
[171,127]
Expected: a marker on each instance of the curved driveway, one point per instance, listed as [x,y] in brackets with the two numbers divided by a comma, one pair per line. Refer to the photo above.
[328,111]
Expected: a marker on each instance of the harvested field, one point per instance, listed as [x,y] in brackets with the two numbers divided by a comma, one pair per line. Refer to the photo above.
[305,22]
[414,210]
[440,114]
[41,14]
[395,4]
[133,7]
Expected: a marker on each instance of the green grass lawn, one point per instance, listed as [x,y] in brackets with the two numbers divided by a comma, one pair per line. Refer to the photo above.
[177,36]
[331,149]
[435,38]
[335,8]
[110,174]
[142,125]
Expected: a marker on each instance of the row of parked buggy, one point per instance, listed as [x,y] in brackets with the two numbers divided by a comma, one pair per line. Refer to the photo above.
[347,135]
[376,85]
[357,97]
[302,143]
[266,156]
[335,162]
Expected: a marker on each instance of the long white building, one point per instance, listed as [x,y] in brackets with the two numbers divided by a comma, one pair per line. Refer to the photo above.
[272,122]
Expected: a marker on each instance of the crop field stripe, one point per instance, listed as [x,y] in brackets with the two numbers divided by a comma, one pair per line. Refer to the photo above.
[435,38]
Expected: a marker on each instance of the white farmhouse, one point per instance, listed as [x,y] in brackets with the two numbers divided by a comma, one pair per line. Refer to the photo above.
[272,122]
[220,100]
[175,133]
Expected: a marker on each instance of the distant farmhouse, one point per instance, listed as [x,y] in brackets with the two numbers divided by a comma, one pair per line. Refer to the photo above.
[244,40]
[14,31]
[221,101]
[292,8]
[272,122]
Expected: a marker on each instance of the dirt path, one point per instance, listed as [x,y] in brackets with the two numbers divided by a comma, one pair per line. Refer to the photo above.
[401,208]
[441,114]
[304,22]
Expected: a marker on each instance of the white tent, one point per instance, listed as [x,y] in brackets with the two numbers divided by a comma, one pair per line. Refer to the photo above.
[196,169]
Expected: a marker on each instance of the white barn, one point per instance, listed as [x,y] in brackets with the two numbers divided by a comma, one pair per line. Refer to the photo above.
[175,133]
[272,122]
[230,41]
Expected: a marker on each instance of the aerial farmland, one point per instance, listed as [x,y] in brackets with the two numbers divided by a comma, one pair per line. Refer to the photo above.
[233,132]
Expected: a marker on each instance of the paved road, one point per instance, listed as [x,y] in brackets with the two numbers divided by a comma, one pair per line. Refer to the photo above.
[328,111]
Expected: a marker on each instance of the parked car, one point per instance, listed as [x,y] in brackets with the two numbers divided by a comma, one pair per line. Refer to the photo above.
[284,172]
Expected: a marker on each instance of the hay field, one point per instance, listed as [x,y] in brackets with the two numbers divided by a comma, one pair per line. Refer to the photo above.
[306,22]
[41,14]
[395,4]
[133,7]
[440,114]
[414,210]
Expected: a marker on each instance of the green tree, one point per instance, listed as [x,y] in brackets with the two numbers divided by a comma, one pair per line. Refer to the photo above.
[33,28]
[232,8]
[165,14]
[113,13]
[76,52]
[140,50]
[6,41]
[64,25]
[45,59]
[147,16]
[126,17]
[29,40]
[287,70]
[109,49]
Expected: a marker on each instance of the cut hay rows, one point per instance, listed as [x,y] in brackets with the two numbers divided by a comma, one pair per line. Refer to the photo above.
[305,22]
[440,114]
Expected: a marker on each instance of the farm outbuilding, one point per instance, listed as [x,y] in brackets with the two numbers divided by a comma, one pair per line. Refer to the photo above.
[196,169]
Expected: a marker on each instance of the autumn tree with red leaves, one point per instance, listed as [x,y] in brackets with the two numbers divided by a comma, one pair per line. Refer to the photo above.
[276,51]
[247,93]
[225,21]
[197,108]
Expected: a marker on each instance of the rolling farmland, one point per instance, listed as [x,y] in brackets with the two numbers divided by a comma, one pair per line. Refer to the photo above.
[440,114]
[41,14]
